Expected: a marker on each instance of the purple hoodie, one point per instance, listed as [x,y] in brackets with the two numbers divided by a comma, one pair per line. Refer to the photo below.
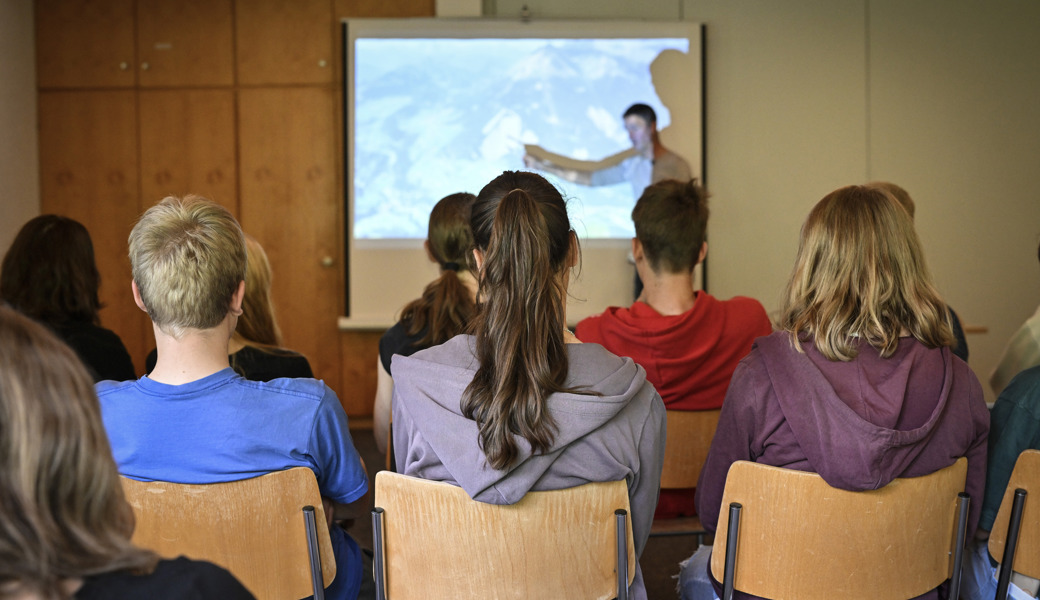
[618,434]
[859,424]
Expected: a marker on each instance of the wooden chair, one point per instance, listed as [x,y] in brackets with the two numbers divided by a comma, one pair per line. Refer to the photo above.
[790,535]
[1016,531]
[266,530]
[433,542]
[686,448]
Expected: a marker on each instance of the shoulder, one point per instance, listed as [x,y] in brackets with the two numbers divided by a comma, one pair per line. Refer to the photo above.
[1023,394]
[178,578]
[115,388]
[590,329]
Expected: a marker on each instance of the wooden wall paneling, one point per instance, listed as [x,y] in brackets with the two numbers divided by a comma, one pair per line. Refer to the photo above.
[188,145]
[288,202]
[84,43]
[284,41]
[360,350]
[185,42]
[88,171]
[384,8]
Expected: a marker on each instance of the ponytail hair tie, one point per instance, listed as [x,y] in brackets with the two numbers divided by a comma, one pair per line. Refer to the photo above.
[450,266]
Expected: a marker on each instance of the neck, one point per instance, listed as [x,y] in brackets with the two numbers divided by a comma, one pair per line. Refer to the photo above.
[667,293]
[469,280]
[196,354]
[657,148]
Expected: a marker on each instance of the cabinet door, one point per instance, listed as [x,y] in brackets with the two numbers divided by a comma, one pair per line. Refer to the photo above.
[188,145]
[184,42]
[284,41]
[84,43]
[289,203]
[88,171]
[384,8]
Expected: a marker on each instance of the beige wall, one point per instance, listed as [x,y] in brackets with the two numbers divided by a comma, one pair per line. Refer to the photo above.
[19,159]
[805,96]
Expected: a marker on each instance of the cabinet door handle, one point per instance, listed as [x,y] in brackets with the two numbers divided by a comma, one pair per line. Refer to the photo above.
[145,66]
[322,63]
[327,262]
[124,66]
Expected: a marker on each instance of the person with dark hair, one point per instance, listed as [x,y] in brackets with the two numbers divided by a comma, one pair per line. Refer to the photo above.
[255,350]
[859,384]
[445,307]
[521,404]
[49,274]
[1022,351]
[195,420]
[960,346]
[688,341]
[645,163]
[66,526]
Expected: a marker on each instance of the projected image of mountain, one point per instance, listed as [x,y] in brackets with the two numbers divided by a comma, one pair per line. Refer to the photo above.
[436,116]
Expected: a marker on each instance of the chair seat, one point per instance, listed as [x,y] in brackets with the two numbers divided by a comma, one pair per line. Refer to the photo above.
[678,526]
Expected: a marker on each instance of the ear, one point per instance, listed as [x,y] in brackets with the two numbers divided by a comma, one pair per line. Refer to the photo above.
[574,253]
[478,256]
[137,296]
[704,252]
[429,255]
[637,250]
[236,299]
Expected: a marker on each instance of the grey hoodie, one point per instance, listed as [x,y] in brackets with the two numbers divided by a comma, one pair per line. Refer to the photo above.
[618,434]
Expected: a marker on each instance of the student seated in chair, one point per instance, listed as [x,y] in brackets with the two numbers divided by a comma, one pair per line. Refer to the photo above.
[860,384]
[521,405]
[688,341]
[193,419]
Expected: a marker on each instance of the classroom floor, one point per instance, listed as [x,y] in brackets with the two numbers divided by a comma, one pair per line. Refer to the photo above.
[660,560]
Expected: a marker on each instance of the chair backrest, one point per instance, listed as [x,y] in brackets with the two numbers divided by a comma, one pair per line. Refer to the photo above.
[686,447]
[801,538]
[1026,476]
[439,543]
[253,528]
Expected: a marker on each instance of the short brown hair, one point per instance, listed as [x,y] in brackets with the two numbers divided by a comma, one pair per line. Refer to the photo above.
[671,219]
[860,273]
[188,256]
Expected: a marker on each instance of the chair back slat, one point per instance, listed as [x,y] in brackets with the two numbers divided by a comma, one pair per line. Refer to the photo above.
[801,538]
[439,543]
[254,528]
[686,446]
[1026,476]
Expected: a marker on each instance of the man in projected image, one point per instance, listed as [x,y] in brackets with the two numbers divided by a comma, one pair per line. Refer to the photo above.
[645,163]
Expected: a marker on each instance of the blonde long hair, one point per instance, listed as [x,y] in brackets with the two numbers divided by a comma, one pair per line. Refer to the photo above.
[860,274]
[257,325]
[64,515]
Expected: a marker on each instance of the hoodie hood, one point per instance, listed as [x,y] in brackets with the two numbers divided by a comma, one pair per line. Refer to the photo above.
[433,382]
[860,423]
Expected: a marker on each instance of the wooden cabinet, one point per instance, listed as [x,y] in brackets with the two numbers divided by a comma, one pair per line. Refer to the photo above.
[287,154]
[88,171]
[85,43]
[188,145]
[284,42]
[384,8]
[185,42]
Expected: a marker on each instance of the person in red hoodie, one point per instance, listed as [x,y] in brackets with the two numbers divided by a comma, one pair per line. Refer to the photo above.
[688,341]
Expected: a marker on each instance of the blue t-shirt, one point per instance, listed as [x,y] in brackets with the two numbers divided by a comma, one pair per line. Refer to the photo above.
[225,428]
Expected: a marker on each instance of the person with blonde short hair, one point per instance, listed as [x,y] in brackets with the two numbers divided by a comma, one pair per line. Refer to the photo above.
[859,384]
[64,524]
[193,419]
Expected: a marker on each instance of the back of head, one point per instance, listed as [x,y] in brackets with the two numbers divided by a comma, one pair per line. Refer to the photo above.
[446,306]
[256,324]
[671,219]
[901,195]
[643,111]
[188,257]
[520,226]
[860,273]
[49,272]
[64,515]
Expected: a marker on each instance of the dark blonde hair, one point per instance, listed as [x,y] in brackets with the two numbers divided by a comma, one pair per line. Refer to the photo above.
[49,272]
[188,256]
[860,273]
[520,225]
[445,307]
[64,514]
[257,325]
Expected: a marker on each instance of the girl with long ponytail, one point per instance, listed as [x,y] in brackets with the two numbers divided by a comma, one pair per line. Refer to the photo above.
[519,404]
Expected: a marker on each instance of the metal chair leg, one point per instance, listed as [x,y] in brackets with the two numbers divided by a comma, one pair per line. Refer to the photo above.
[1008,562]
[317,577]
[379,554]
[731,550]
[963,502]
[621,520]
